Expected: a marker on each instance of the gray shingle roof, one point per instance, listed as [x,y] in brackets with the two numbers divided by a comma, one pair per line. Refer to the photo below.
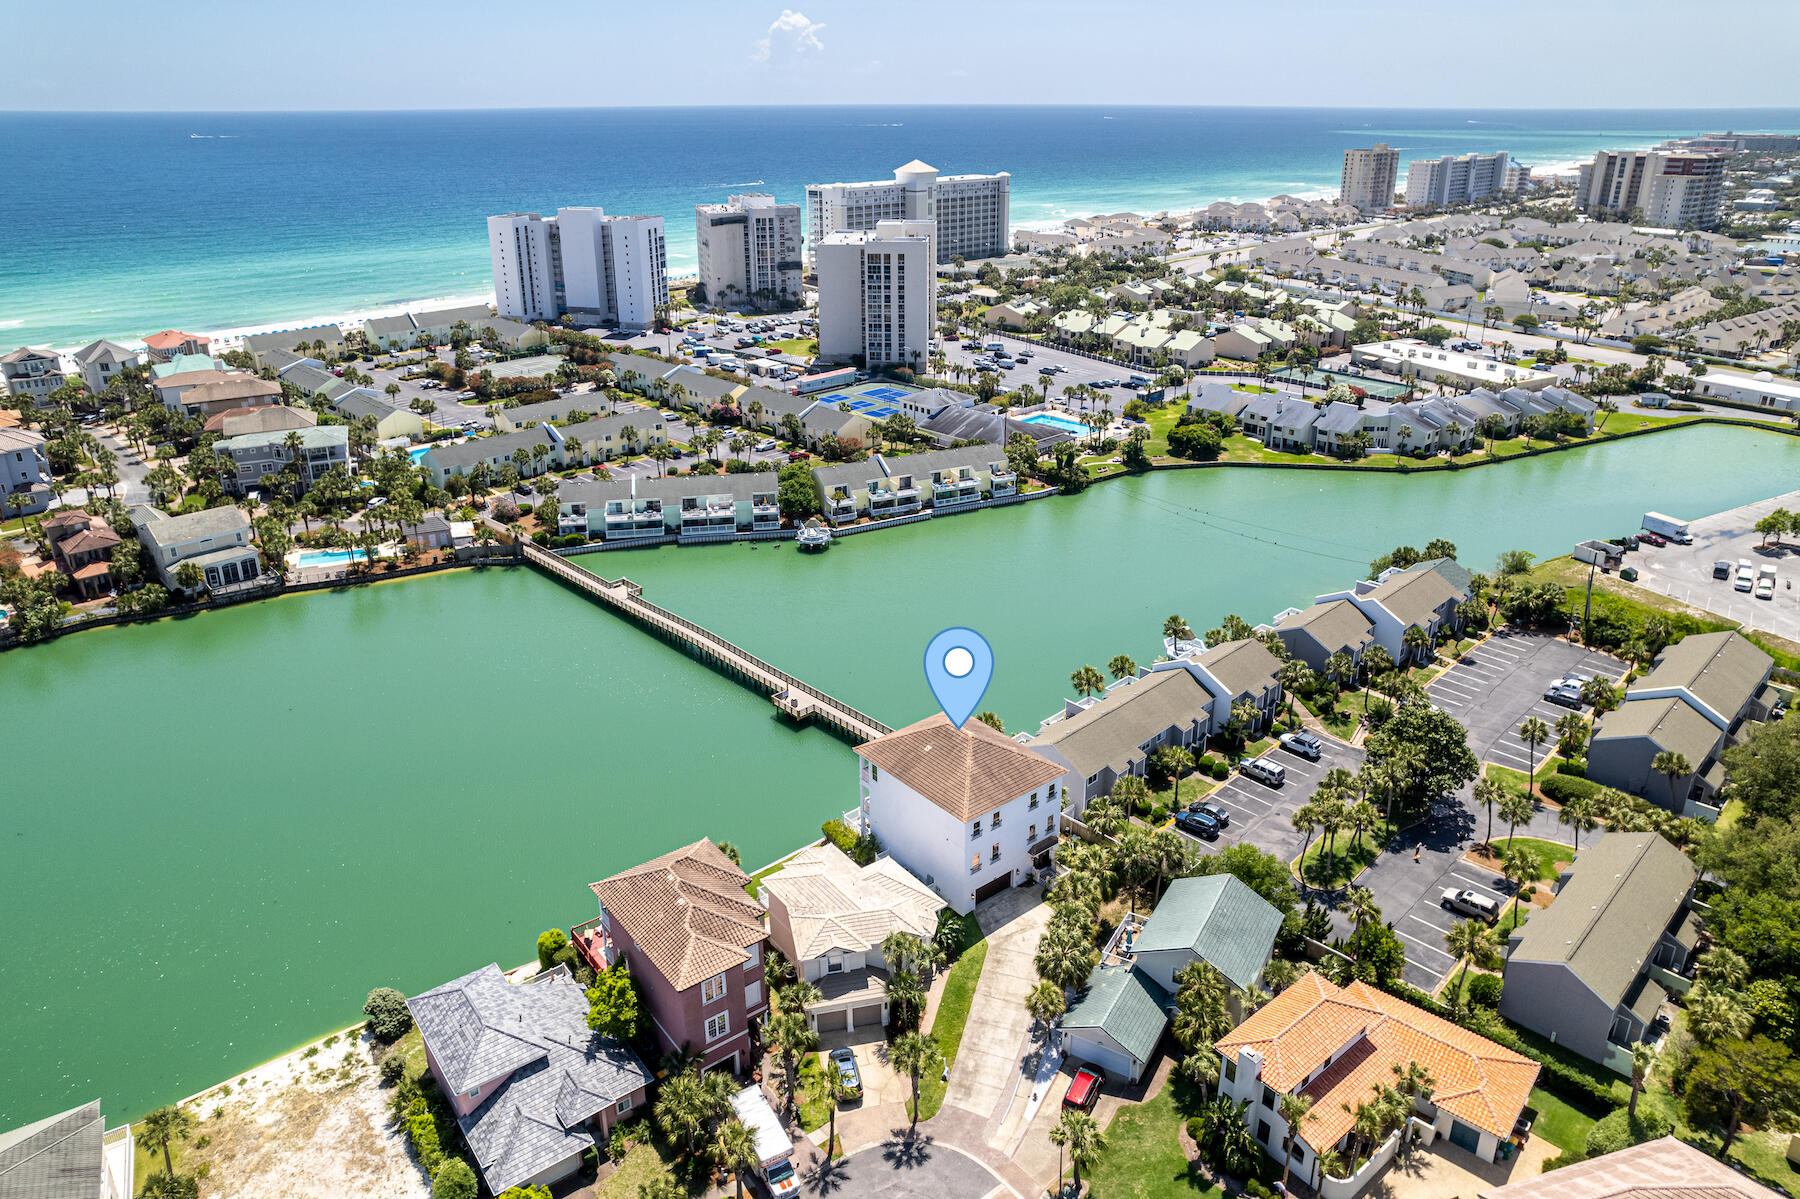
[1110,732]
[360,402]
[984,423]
[1722,670]
[555,1072]
[480,449]
[213,522]
[1244,666]
[58,1157]
[310,379]
[1623,891]
[1337,625]
[1220,919]
[1126,1004]
[1339,418]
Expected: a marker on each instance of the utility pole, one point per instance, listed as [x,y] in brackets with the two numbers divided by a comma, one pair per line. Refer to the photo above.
[1588,610]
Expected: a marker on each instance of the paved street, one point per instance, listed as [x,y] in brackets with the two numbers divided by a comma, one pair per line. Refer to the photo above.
[917,1167]
[1500,682]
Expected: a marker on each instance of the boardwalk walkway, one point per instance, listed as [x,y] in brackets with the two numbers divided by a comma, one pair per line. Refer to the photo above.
[801,701]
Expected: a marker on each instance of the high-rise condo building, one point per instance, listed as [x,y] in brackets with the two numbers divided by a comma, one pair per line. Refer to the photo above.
[749,251]
[878,293]
[1369,177]
[972,212]
[604,269]
[1441,182]
[1669,191]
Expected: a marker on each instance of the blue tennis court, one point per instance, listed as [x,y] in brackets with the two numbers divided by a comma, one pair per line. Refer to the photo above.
[872,411]
[889,394]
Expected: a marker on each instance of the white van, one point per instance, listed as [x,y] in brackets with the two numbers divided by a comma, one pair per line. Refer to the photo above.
[995,347]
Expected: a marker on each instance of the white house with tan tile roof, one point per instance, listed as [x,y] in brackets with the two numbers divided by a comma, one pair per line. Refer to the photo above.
[1332,1044]
[969,811]
[829,916]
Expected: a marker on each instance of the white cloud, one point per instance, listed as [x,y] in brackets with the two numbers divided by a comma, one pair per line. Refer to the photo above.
[796,32]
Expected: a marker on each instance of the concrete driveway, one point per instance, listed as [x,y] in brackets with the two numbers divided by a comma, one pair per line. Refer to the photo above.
[994,1041]
[916,1167]
[881,1083]
[1500,682]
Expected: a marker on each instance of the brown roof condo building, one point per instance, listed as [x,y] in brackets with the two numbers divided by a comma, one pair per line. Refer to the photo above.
[969,811]
[694,941]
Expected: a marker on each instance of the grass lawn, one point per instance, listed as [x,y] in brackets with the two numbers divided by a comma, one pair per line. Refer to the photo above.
[1259,747]
[952,1017]
[1343,721]
[1514,780]
[799,347]
[1193,787]
[760,875]
[1143,1157]
[1559,1123]
[1348,858]
[642,1166]
[815,1107]
[1732,813]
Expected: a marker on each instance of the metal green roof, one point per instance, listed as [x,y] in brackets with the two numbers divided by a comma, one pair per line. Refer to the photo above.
[1126,1005]
[1218,918]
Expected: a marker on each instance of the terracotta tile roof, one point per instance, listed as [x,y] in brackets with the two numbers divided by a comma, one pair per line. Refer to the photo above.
[1477,1081]
[93,570]
[168,339]
[1661,1169]
[687,911]
[968,772]
[89,539]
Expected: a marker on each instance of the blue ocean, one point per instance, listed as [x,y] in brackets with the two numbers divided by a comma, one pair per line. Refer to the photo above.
[137,222]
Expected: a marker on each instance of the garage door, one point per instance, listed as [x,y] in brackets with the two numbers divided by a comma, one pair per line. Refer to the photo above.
[1465,1136]
[836,1021]
[867,1017]
[993,887]
[1117,1065]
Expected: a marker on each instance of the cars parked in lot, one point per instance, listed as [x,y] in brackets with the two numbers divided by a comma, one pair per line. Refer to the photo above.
[1746,576]
[1765,588]
[1084,1089]
[1304,744]
[1216,811]
[849,1078]
[1470,903]
[765,445]
[1197,824]
[1564,694]
[1270,774]
[1722,569]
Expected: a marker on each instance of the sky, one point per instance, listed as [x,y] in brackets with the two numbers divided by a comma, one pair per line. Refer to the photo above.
[210,55]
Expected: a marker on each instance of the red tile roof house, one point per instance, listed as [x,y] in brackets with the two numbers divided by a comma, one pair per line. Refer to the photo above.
[1333,1044]
[532,1085]
[694,941]
[171,343]
[82,545]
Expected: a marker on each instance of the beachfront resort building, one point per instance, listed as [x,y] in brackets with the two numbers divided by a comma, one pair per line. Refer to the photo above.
[312,339]
[972,211]
[1369,176]
[24,473]
[101,361]
[1666,191]
[749,251]
[600,269]
[532,1086]
[28,374]
[1455,179]
[694,940]
[171,344]
[969,812]
[877,294]
[217,540]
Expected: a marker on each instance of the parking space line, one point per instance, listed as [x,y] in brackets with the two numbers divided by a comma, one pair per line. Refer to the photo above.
[1417,944]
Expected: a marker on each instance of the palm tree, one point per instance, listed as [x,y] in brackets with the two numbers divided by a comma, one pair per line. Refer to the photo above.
[1534,732]
[165,1126]
[1294,675]
[735,1145]
[1295,1110]
[1519,866]
[1488,792]
[1176,629]
[1081,1135]
[1417,641]
[1122,666]
[1643,1057]
[1045,1003]
[1361,908]
[1578,814]
[1087,681]
[915,1053]
[1671,765]
[1471,942]
[1306,821]
[789,1033]
[1571,734]
[1516,808]
[1339,668]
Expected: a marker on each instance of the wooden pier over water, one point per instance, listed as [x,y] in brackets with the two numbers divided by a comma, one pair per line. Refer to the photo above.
[801,701]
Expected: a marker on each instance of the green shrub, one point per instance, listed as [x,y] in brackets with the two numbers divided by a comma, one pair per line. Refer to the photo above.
[1574,769]
[541,538]
[389,1019]
[1158,814]
[1564,787]
[548,943]
[1205,764]
[453,1180]
[393,1069]
[1484,990]
[569,539]
[1617,1131]
[839,834]
[1221,771]
[421,1129]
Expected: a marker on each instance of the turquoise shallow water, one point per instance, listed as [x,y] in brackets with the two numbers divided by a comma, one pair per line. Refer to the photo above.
[137,222]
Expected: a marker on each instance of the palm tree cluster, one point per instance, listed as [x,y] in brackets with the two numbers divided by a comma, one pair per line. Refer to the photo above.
[694,1109]
[911,962]
[1340,804]
[1202,1016]
[786,1031]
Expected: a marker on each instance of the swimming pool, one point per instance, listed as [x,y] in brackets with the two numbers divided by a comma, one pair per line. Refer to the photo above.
[318,558]
[417,452]
[1066,424]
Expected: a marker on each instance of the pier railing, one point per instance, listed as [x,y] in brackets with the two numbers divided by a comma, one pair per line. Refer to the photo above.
[797,698]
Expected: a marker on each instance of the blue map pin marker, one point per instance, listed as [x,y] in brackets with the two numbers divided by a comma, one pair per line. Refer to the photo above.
[958,664]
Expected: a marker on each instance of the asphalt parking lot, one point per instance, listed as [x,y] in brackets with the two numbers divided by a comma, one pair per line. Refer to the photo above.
[1685,572]
[1424,922]
[1263,815]
[1076,369]
[1500,682]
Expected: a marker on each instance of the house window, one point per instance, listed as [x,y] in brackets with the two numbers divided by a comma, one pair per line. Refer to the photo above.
[717,1026]
[994,821]
[874,773]
[1031,833]
[713,989]
[1269,1098]
[1033,802]
[975,862]
[1262,1131]
[1230,1069]
[474,1092]
[834,964]
[624,1105]
[994,856]
[752,994]
[975,829]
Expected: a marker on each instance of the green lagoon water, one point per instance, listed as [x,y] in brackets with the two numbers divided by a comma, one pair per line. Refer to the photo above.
[220,832]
